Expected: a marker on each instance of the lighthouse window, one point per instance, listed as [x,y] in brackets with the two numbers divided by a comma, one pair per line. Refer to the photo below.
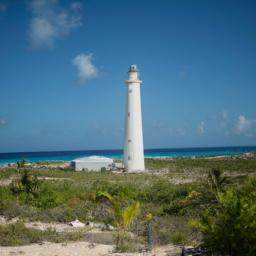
[128,114]
[129,140]
[129,158]
[130,91]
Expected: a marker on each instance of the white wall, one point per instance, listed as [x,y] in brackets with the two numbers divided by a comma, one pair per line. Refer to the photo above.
[90,166]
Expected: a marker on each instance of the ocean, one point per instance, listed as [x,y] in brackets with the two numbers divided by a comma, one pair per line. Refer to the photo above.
[6,158]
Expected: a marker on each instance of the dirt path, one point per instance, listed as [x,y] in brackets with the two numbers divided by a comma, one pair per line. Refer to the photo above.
[61,249]
[79,249]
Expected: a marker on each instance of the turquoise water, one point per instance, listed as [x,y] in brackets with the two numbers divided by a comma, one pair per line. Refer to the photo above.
[6,158]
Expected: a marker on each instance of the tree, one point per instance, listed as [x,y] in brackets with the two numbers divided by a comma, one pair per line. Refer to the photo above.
[123,217]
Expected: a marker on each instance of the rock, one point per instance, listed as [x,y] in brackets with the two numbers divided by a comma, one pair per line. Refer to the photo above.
[90,224]
[110,227]
[96,225]
[77,224]
[100,225]
[191,251]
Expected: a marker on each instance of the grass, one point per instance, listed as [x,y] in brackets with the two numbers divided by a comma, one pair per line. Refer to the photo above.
[203,164]
[17,234]
[73,195]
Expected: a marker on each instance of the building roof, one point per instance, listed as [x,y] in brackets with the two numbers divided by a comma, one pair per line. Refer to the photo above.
[93,159]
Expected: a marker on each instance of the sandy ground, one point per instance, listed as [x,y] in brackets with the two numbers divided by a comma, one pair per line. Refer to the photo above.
[54,249]
[80,249]
[58,227]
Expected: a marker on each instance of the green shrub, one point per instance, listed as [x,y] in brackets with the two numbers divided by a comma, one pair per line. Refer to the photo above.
[172,229]
[130,243]
[28,183]
[229,227]
[7,172]
[6,197]
[216,180]
[18,234]
[120,190]
[52,236]
[178,238]
[14,209]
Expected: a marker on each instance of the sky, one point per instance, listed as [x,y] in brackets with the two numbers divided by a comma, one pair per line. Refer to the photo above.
[63,66]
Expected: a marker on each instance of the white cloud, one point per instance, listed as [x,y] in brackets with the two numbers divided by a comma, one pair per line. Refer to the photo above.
[181,132]
[86,69]
[2,7]
[201,127]
[3,122]
[244,126]
[50,21]
[223,123]
[76,6]
[224,115]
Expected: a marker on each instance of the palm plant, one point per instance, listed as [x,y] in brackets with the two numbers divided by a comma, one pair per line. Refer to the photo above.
[123,217]
[216,180]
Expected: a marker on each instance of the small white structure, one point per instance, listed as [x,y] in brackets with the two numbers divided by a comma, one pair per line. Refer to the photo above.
[133,142]
[92,163]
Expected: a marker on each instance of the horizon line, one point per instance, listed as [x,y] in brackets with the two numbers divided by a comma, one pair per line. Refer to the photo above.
[163,148]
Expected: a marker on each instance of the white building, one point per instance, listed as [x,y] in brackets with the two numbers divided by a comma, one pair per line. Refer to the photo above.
[92,163]
[133,144]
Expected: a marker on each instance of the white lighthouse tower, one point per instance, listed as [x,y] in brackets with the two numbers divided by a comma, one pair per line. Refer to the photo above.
[133,143]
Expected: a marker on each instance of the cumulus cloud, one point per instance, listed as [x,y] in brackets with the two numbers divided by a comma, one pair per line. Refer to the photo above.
[50,21]
[201,127]
[245,126]
[85,68]
[2,7]
[3,122]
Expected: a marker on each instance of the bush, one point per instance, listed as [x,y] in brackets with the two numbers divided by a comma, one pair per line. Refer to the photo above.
[6,197]
[18,234]
[130,243]
[178,238]
[28,183]
[122,191]
[229,227]
[59,214]
[163,192]
[170,229]
[14,209]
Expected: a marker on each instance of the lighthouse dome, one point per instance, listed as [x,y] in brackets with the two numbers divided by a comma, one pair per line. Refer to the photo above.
[133,68]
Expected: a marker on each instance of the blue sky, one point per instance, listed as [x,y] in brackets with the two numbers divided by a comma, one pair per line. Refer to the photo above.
[63,66]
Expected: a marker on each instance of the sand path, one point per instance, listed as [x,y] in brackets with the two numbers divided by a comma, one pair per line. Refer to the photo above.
[79,249]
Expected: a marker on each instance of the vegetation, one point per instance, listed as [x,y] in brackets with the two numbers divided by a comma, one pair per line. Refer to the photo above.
[18,234]
[21,164]
[28,183]
[123,218]
[216,180]
[215,193]
[229,226]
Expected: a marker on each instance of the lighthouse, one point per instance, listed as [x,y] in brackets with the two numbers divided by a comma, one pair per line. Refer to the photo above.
[133,141]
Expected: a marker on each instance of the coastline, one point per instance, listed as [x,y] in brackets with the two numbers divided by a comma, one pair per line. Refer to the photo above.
[65,163]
